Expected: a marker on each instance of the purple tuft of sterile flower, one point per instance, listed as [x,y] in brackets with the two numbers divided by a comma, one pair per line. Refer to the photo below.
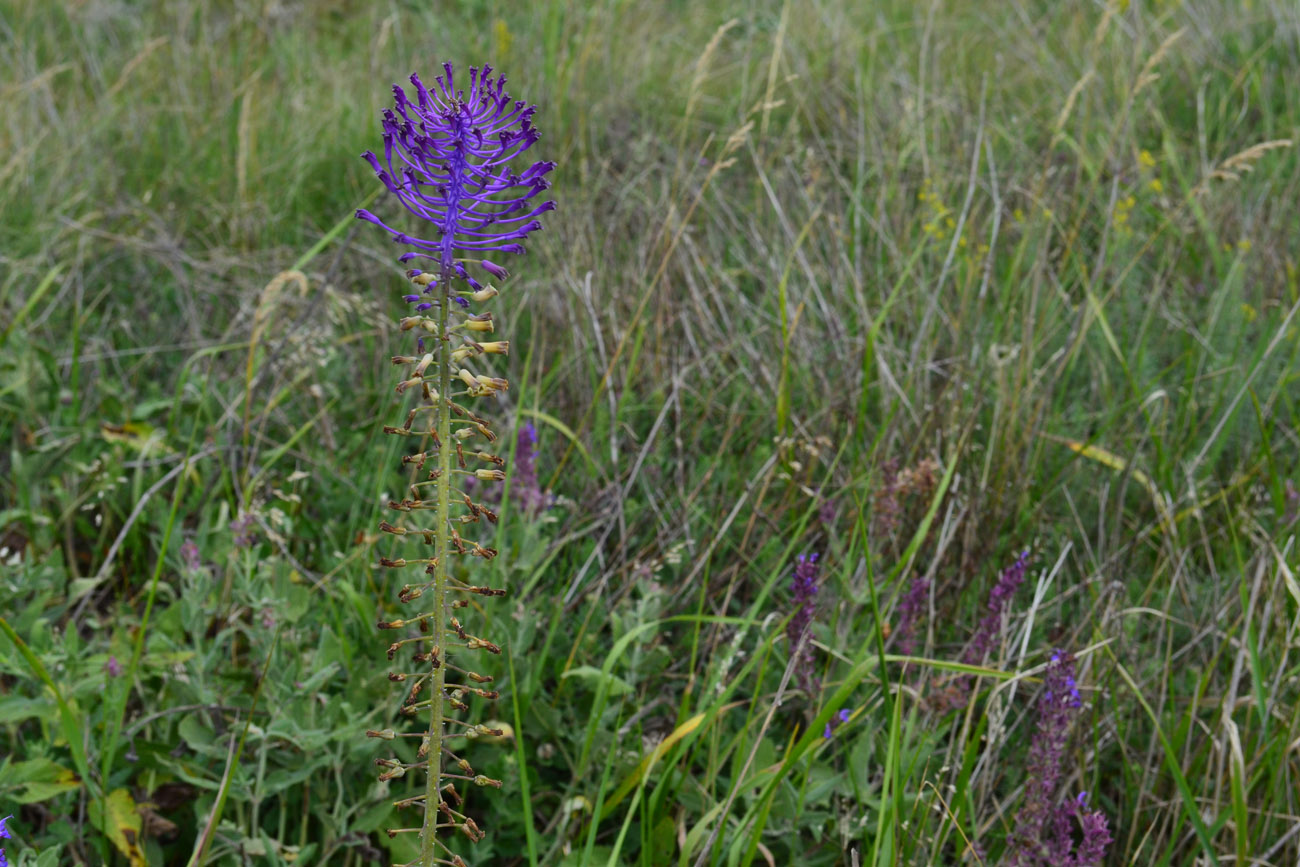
[910,611]
[1043,833]
[803,590]
[525,489]
[991,625]
[447,159]
[839,719]
[113,668]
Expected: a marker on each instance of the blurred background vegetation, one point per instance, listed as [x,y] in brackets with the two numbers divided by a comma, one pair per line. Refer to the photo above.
[1048,249]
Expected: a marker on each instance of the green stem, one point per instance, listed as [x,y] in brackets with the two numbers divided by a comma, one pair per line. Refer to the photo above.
[433,794]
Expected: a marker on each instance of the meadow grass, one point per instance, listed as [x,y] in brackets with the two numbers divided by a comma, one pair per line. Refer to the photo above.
[1046,249]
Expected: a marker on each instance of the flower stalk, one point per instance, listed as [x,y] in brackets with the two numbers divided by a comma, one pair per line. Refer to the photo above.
[447,159]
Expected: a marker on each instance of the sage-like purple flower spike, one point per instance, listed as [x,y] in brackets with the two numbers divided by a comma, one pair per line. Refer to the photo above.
[525,489]
[991,625]
[1043,833]
[910,609]
[957,694]
[803,589]
[448,158]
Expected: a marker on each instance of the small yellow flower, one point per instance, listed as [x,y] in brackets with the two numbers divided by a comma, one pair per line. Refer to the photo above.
[1156,186]
[1244,245]
[1145,159]
[1250,313]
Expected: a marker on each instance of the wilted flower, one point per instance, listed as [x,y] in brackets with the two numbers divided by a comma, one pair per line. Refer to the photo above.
[885,506]
[804,591]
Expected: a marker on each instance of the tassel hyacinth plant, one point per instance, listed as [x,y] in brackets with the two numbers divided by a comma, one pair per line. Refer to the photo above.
[449,158]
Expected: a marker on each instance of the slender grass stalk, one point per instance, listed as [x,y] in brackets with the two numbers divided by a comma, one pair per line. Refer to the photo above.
[453,170]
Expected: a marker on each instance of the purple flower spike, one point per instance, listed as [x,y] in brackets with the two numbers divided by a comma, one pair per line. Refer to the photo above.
[447,158]
[910,611]
[113,668]
[804,592]
[4,832]
[1044,831]
[989,628]
[525,489]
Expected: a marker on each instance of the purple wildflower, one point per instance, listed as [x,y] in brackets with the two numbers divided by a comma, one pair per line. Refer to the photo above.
[243,528]
[804,590]
[1096,837]
[524,487]
[991,625]
[826,512]
[453,152]
[957,693]
[839,719]
[1043,832]
[5,833]
[113,668]
[190,555]
[910,610]
[886,510]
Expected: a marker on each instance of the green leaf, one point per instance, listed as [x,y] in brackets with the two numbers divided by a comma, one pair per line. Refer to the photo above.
[595,678]
[37,780]
[16,708]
